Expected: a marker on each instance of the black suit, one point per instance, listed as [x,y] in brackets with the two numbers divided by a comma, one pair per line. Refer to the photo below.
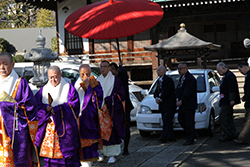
[165,91]
[186,91]
[245,132]
[229,91]
[128,105]
[246,96]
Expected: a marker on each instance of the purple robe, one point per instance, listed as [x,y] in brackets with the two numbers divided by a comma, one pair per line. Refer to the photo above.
[69,143]
[117,113]
[22,148]
[89,120]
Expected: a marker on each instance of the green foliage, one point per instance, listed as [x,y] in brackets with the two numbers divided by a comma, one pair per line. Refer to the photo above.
[3,45]
[45,18]
[18,58]
[54,44]
[16,15]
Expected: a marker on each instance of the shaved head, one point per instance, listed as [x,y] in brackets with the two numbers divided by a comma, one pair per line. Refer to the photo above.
[86,66]
[84,71]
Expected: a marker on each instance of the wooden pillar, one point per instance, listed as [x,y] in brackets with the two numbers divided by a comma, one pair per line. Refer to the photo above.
[130,43]
[168,64]
[91,41]
[205,62]
[199,62]
[154,65]
[91,46]
[155,60]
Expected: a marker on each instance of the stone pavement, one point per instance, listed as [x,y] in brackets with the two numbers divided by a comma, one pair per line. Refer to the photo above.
[147,152]
[223,154]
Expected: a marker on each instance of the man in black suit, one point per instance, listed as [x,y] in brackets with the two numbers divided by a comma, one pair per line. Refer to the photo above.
[244,135]
[122,74]
[229,96]
[164,96]
[186,100]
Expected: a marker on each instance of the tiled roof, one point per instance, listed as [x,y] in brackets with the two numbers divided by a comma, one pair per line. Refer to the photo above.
[184,3]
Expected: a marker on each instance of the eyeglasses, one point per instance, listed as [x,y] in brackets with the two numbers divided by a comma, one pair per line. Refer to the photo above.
[104,66]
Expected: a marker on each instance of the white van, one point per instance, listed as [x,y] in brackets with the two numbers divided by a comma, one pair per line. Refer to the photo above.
[149,118]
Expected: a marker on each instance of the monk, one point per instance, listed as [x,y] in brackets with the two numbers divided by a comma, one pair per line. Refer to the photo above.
[90,94]
[114,98]
[15,142]
[58,107]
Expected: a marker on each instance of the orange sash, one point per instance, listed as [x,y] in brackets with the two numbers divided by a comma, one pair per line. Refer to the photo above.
[50,146]
[6,157]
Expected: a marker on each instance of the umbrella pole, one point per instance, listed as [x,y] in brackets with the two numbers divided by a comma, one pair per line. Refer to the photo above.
[118,49]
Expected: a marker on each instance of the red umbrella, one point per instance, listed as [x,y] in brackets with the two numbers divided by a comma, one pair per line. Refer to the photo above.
[112,19]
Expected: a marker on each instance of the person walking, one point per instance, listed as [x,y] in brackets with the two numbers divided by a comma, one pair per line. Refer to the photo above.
[15,140]
[90,94]
[121,73]
[114,99]
[244,136]
[165,98]
[186,100]
[229,96]
[58,109]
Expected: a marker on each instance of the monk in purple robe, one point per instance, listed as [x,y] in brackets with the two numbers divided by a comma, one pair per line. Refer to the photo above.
[90,93]
[114,98]
[58,107]
[15,142]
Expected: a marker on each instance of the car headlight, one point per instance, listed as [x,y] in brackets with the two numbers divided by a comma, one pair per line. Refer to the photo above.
[144,110]
[202,107]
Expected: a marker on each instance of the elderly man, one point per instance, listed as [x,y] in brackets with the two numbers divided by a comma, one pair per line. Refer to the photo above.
[186,100]
[121,73]
[244,135]
[229,96]
[165,98]
[89,91]
[58,107]
[114,97]
[15,142]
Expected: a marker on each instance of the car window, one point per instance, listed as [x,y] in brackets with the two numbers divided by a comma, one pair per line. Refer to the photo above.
[95,71]
[211,80]
[216,78]
[71,74]
[152,90]
[201,85]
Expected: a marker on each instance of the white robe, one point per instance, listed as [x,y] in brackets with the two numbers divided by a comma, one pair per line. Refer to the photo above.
[8,84]
[80,91]
[107,84]
[59,93]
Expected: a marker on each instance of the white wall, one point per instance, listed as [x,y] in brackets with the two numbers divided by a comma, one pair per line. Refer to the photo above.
[73,5]
[25,38]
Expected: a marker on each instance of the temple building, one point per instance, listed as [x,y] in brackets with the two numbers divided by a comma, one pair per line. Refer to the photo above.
[225,23]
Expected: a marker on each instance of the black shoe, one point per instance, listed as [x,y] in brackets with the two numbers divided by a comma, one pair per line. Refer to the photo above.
[125,152]
[171,139]
[226,138]
[188,143]
[162,139]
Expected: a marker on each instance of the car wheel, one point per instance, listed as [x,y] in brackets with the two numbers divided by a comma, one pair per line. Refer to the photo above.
[211,128]
[144,133]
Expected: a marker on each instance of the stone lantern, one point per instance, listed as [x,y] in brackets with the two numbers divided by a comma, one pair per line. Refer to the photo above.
[41,57]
